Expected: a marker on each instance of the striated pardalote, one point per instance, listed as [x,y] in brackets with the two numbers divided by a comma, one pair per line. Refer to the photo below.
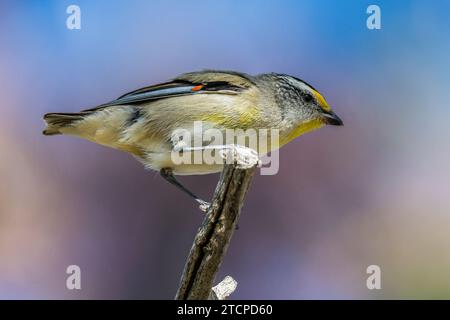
[143,122]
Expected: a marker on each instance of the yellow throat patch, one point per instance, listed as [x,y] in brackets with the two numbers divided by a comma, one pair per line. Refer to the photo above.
[301,129]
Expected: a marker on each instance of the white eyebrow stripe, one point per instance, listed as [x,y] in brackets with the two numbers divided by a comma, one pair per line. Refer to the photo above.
[298,83]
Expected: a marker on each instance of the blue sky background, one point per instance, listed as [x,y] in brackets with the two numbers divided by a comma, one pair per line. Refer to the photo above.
[372,192]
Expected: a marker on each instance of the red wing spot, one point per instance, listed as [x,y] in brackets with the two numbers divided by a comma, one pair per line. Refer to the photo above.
[197,88]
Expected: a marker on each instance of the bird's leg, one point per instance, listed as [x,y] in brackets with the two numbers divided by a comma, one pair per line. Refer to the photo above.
[167,174]
[241,156]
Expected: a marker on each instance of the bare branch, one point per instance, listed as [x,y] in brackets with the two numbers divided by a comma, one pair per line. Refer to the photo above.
[213,237]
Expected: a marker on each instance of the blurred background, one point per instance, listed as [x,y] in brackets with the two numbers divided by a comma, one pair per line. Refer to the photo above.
[375,191]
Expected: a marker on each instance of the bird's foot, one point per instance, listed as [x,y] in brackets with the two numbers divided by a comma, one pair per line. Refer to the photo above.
[242,157]
[204,206]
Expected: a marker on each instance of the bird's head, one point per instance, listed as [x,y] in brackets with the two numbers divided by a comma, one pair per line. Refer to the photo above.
[302,107]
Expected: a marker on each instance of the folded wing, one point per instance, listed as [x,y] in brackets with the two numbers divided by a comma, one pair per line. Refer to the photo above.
[204,82]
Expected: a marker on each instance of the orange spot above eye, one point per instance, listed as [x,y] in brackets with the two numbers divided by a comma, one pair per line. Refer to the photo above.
[196,88]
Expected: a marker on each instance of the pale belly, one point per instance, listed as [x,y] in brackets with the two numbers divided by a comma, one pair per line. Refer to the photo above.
[192,166]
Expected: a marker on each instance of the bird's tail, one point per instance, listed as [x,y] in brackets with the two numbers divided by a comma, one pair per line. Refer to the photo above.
[57,121]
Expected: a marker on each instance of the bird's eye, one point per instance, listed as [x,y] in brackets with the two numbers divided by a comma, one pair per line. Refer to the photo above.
[307,97]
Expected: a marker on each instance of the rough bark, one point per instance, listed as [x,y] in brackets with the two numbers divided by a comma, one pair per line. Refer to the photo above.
[213,237]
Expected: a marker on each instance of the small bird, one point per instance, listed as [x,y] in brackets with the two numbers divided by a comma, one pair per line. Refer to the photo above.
[142,122]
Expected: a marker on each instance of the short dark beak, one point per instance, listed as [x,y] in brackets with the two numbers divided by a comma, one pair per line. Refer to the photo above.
[332,118]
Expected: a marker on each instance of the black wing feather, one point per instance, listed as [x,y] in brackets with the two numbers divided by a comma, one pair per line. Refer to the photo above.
[170,89]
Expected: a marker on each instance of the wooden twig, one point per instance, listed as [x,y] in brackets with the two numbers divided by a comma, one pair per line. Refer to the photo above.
[213,237]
